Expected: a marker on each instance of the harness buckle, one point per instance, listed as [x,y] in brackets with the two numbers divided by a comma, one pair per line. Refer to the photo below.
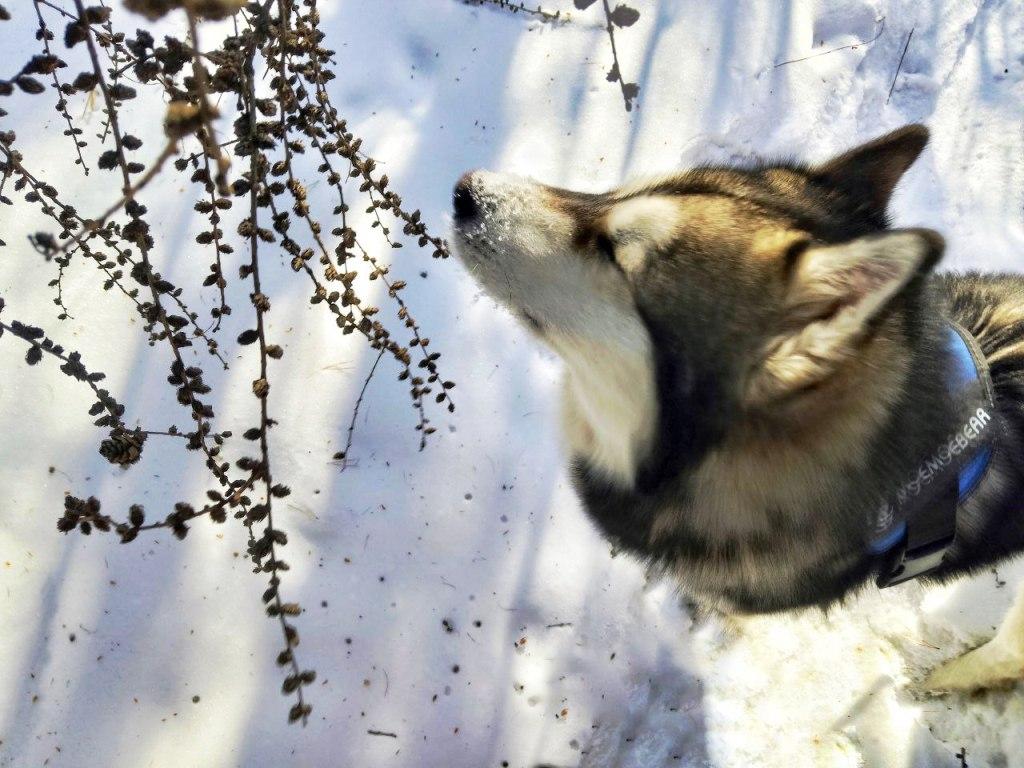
[915,562]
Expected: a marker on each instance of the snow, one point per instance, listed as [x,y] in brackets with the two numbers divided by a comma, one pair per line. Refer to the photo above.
[104,645]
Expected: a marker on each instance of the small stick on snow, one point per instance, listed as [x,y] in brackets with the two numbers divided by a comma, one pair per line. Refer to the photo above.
[855,45]
[900,65]
[383,733]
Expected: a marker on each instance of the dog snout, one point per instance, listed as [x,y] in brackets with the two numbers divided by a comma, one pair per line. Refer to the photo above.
[463,200]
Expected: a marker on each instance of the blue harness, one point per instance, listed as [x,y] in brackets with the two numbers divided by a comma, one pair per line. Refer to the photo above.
[918,525]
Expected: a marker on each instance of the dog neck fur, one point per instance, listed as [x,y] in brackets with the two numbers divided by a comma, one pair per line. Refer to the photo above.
[610,406]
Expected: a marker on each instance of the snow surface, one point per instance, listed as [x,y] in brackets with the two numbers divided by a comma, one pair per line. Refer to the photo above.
[104,646]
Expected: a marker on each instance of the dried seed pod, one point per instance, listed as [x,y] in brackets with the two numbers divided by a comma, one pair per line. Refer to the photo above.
[214,10]
[182,119]
[123,447]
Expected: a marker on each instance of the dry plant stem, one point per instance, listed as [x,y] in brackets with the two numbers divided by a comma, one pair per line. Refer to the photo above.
[43,190]
[196,155]
[135,60]
[384,343]
[208,137]
[61,266]
[610,29]
[57,353]
[211,149]
[222,309]
[345,462]
[107,39]
[521,7]
[195,407]
[73,132]
[129,195]
[320,290]
[314,229]
[122,244]
[112,52]
[40,189]
[57,8]
[413,225]
[104,522]
[852,46]
[201,512]
[365,167]
[403,311]
[301,709]
[112,117]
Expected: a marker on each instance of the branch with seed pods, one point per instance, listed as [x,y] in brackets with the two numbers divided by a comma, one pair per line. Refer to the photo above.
[619,17]
[218,108]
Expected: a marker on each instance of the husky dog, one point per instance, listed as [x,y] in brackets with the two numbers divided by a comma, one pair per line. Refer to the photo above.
[754,363]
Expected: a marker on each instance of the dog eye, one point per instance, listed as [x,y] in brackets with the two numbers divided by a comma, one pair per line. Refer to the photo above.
[605,246]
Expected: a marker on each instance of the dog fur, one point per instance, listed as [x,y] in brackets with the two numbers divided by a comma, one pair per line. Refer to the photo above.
[754,362]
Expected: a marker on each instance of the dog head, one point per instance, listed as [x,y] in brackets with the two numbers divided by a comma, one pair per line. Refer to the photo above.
[687,305]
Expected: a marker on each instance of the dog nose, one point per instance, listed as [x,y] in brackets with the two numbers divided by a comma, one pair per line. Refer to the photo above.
[463,201]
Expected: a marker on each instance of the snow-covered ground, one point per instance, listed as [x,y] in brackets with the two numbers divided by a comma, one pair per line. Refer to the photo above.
[564,654]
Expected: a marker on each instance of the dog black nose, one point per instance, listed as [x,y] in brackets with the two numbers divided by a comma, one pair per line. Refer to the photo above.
[463,201]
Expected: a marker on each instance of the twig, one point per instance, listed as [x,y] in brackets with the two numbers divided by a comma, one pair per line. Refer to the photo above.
[261,388]
[900,65]
[375,333]
[72,367]
[215,241]
[41,189]
[113,51]
[164,433]
[48,192]
[833,50]
[413,226]
[111,112]
[521,7]
[208,138]
[59,10]
[73,132]
[629,90]
[189,395]
[128,531]
[107,38]
[196,155]
[355,413]
[383,733]
[93,224]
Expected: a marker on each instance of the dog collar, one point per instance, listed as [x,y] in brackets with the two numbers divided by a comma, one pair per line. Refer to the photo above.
[918,525]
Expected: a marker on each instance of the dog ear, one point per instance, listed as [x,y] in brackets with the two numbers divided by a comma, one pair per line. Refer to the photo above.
[869,173]
[835,295]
